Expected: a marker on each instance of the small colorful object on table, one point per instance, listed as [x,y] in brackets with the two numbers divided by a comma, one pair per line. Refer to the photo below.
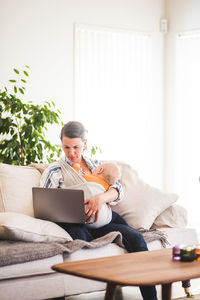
[176,253]
[186,253]
[197,253]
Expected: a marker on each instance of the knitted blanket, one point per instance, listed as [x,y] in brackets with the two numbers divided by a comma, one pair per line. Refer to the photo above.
[12,252]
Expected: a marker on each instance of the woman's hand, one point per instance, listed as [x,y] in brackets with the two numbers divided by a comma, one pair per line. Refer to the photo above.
[93,206]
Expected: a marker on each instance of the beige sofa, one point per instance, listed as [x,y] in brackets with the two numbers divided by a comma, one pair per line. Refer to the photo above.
[143,207]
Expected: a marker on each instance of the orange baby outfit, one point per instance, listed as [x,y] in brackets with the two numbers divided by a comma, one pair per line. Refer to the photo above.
[92,178]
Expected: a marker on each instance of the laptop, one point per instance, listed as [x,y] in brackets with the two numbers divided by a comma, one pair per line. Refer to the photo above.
[59,205]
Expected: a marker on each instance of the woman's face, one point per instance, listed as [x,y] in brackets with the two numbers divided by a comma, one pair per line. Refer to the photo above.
[73,148]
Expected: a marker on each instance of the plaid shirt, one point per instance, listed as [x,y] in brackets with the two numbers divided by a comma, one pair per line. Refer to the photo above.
[52,177]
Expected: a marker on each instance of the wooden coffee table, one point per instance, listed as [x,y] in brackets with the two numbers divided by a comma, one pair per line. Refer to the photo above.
[134,269]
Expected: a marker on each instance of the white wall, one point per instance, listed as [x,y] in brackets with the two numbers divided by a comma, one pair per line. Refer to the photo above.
[183,15]
[39,33]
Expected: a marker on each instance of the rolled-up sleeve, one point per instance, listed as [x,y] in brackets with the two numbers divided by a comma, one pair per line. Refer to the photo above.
[119,188]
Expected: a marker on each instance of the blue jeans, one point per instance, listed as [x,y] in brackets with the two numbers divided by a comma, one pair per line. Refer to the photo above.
[131,238]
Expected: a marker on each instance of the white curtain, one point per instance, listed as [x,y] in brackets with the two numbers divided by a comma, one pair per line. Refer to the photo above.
[113,96]
[187,167]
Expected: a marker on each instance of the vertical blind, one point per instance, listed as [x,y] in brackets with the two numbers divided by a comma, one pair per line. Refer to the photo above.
[187,146]
[113,94]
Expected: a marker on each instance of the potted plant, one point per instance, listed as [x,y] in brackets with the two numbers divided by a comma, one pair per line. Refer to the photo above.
[23,125]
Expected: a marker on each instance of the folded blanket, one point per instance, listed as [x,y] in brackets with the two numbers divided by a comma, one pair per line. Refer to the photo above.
[12,252]
[153,235]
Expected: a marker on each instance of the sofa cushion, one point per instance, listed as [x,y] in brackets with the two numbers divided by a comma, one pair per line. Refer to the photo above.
[16,184]
[31,268]
[142,203]
[173,216]
[15,226]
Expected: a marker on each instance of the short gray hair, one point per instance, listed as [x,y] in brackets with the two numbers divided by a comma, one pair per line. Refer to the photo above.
[73,129]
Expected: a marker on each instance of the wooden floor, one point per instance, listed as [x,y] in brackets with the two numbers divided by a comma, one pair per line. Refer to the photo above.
[197,297]
[126,296]
[98,296]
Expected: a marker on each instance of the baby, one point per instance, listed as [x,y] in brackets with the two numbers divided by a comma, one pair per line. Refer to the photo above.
[106,175]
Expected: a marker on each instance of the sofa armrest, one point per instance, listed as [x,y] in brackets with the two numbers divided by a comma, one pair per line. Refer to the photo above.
[173,216]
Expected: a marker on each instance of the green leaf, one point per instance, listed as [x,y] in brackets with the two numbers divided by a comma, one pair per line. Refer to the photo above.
[15,89]
[27,66]
[23,80]
[21,90]
[48,104]
[3,94]
[26,73]
[12,80]
[19,116]
[16,71]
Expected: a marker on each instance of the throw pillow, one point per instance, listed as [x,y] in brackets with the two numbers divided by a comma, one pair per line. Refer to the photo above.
[39,167]
[20,227]
[173,216]
[142,203]
[16,184]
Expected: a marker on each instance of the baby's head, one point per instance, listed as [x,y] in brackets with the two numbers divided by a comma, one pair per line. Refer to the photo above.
[110,172]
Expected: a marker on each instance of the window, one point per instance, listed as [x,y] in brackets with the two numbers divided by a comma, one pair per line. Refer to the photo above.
[113,96]
[187,168]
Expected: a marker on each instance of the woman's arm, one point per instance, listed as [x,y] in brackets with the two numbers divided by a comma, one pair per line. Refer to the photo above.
[112,196]
[94,204]
[93,164]
[118,187]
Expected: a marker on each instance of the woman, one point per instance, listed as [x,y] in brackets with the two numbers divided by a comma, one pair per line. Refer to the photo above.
[73,138]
